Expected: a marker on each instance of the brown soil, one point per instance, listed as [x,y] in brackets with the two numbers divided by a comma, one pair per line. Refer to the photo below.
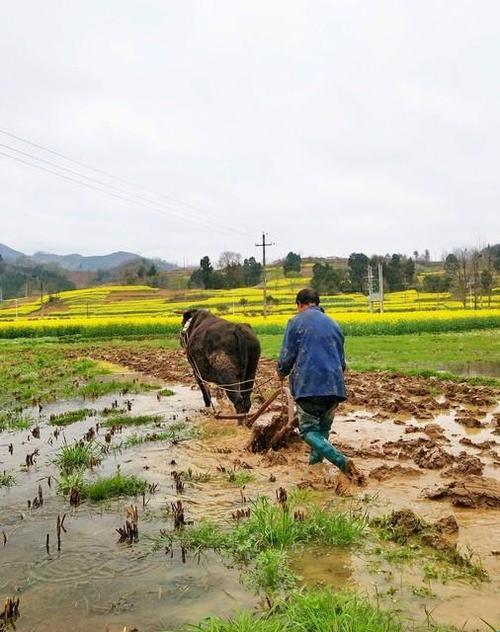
[385,472]
[272,434]
[475,491]
[373,398]
[447,524]
[465,464]
[382,392]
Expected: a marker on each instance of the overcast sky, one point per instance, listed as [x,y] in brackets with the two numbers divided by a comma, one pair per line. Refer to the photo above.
[335,126]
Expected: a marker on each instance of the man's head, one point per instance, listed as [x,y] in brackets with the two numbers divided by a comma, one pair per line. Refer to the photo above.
[305,298]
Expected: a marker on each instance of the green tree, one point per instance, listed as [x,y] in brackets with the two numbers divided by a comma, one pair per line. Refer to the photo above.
[358,270]
[252,271]
[292,263]
[394,273]
[409,271]
[326,279]
[436,283]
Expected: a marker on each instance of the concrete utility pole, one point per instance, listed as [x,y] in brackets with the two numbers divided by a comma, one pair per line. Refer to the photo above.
[381,287]
[263,245]
[371,298]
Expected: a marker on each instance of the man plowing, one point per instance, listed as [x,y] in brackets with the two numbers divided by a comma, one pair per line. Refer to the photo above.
[313,355]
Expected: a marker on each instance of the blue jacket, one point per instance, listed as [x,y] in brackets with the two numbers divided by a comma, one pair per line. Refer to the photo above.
[313,354]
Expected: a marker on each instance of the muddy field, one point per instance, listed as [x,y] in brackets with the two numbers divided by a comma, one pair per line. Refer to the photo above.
[423,444]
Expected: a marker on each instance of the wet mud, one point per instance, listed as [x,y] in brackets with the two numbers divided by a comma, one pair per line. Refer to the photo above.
[404,433]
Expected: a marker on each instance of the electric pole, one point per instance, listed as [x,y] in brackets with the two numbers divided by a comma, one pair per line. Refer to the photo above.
[370,288]
[264,245]
[380,287]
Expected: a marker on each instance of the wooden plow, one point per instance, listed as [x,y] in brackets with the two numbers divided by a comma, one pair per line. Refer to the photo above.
[273,434]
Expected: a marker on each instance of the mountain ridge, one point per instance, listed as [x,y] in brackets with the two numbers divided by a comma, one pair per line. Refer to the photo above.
[76,262]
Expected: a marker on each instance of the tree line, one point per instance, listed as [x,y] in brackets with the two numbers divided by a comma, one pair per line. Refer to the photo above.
[25,279]
[468,273]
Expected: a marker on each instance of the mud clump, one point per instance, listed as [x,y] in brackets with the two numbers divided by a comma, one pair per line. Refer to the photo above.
[432,457]
[465,464]
[447,524]
[272,434]
[480,445]
[435,432]
[475,491]
[468,421]
[401,525]
[385,472]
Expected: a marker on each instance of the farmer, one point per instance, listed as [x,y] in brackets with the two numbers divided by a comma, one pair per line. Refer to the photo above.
[313,355]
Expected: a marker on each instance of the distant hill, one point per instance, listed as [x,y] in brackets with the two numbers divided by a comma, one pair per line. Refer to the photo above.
[86,264]
[8,254]
[75,262]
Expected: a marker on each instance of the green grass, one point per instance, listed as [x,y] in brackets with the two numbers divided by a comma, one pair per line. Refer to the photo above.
[239,478]
[7,479]
[112,487]
[79,455]
[422,354]
[10,420]
[271,526]
[133,420]
[68,481]
[32,370]
[271,573]
[313,610]
[71,417]
[177,431]
[166,392]
[102,488]
[97,388]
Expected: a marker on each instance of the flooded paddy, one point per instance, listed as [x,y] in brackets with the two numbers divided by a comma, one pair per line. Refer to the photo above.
[96,583]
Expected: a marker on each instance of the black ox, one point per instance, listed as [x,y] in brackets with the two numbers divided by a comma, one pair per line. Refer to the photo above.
[223,353]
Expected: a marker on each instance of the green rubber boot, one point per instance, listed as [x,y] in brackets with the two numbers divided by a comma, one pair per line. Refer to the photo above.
[314,456]
[324,450]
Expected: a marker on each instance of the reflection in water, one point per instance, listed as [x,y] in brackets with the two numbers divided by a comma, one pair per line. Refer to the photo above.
[473,369]
[95,584]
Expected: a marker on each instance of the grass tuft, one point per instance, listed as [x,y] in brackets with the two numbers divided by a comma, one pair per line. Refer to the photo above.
[240,478]
[77,456]
[178,431]
[71,417]
[7,479]
[112,487]
[133,420]
[166,392]
[101,488]
[10,420]
[316,609]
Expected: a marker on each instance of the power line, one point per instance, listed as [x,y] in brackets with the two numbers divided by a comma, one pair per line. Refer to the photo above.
[100,182]
[116,195]
[112,176]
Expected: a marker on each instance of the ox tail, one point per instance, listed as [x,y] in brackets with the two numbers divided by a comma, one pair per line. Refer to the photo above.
[243,352]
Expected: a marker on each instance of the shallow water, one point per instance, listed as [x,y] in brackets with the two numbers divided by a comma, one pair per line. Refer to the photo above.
[96,584]
[476,368]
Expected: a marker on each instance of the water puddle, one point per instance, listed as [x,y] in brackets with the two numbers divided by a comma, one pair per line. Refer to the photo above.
[94,583]
[477,368]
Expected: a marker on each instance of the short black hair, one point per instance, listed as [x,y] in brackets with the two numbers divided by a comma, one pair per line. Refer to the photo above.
[307,296]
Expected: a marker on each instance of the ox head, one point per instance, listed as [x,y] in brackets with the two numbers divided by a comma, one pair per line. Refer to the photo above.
[188,315]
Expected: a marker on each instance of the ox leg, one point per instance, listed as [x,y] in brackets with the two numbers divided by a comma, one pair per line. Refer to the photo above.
[237,400]
[205,392]
[203,388]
